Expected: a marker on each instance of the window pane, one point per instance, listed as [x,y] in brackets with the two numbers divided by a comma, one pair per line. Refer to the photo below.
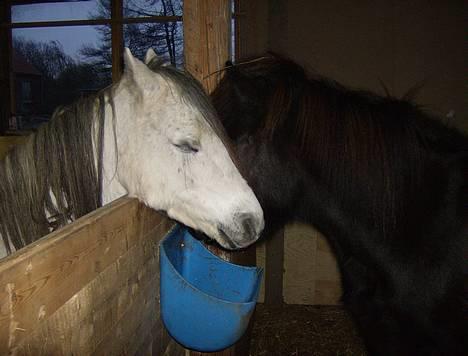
[55,66]
[166,38]
[145,8]
[60,11]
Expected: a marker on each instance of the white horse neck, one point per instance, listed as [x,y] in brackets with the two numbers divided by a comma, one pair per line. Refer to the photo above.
[111,187]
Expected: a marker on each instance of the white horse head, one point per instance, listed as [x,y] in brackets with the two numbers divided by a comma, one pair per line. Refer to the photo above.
[171,156]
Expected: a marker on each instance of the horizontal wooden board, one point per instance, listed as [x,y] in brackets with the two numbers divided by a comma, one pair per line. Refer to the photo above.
[41,278]
[86,318]
[311,275]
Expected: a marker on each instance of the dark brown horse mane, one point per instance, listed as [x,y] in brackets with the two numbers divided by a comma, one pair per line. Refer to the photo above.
[360,144]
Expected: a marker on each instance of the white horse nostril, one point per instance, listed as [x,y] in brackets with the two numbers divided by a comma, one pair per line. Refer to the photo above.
[242,234]
[248,224]
[227,238]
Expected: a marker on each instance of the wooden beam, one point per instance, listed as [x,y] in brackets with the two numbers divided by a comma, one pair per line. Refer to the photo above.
[5,65]
[94,22]
[207,39]
[28,2]
[117,39]
[207,42]
[274,269]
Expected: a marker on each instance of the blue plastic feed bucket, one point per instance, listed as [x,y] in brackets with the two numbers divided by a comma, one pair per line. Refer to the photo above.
[206,302]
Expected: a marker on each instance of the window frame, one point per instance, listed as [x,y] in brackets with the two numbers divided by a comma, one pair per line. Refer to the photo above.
[116,23]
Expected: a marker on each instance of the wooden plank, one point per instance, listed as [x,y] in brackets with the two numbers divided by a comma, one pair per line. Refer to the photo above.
[5,65]
[65,333]
[274,269]
[327,293]
[84,320]
[39,279]
[142,309]
[146,348]
[311,274]
[138,335]
[328,280]
[326,267]
[157,333]
[91,22]
[299,264]
[161,338]
[207,29]
[117,39]
[260,261]
[227,352]
[174,349]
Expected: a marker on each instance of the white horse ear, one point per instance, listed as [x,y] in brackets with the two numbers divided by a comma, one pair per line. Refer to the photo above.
[136,69]
[132,64]
[150,54]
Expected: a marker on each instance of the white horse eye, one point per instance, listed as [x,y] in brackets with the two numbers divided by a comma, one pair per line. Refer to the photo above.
[187,147]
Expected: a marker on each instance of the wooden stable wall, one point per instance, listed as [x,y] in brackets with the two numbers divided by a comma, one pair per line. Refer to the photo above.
[89,288]
[301,268]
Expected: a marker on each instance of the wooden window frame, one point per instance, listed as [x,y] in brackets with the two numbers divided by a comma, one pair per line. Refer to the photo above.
[116,22]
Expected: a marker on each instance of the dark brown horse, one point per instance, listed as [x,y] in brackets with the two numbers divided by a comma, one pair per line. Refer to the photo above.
[382,180]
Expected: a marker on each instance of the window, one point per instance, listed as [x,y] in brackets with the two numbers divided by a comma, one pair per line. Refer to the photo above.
[60,50]
[26,92]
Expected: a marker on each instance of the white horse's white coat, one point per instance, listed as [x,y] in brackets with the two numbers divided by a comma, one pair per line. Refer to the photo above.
[178,164]
[169,157]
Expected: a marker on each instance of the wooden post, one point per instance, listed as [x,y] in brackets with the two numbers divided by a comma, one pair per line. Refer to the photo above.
[207,38]
[251,26]
[274,262]
[207,41]
[5,67]
[117,39]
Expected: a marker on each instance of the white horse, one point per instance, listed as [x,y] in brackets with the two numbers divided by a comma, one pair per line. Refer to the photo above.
[154,136]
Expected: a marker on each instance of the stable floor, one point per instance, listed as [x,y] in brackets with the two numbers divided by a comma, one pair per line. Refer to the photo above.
[304,330]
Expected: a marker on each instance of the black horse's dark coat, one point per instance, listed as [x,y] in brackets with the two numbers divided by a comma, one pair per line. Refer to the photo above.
[381,179]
